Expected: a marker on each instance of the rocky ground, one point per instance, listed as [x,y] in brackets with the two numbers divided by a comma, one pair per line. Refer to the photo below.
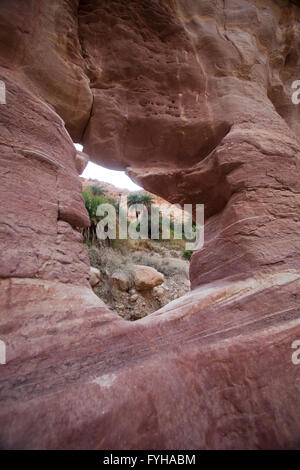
[126,283]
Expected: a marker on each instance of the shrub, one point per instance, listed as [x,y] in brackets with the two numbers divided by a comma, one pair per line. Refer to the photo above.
[187,254]
[106,259]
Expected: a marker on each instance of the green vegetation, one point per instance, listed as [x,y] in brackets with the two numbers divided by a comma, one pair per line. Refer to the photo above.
[136,198]
[187,254]
[92,202]
[95,195]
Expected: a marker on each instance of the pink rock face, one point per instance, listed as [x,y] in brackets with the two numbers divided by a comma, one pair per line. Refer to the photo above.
[193,99]
[145,277]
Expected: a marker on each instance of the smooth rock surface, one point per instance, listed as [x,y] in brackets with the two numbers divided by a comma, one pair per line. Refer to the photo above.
[193,99]
[81,161]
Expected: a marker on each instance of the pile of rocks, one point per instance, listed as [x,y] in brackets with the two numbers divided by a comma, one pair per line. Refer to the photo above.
[142,278]
[138,290]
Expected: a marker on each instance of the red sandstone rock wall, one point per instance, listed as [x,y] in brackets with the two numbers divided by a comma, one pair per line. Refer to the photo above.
[192,98]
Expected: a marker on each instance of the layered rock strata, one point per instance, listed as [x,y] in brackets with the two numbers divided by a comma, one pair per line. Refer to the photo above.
[193,99]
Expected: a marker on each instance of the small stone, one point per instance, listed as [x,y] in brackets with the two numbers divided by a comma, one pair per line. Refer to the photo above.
[134,298]
[158,291]
[94,276]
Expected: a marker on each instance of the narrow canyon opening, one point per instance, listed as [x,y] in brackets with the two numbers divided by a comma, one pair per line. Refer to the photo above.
[134,277]
[193,100]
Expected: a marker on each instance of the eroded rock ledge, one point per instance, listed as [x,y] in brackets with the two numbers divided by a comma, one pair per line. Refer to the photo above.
[193,99]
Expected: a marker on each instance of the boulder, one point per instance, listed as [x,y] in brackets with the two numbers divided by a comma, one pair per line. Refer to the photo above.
[145,277]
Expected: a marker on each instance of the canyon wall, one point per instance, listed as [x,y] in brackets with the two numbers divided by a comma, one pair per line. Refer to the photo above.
[193,100]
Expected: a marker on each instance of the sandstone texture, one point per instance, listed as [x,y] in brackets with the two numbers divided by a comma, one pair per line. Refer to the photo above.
[81,161]
[193,99]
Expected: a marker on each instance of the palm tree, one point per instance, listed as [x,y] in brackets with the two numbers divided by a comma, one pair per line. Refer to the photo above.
[147,200]
[133,198]
[91,203]
[144,198]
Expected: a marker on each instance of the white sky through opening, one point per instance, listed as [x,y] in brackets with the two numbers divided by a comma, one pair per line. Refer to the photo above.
[117,178]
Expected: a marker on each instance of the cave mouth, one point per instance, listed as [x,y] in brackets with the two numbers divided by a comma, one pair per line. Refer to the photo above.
[135,277]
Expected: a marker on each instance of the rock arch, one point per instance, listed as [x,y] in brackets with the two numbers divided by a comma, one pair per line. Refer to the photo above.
[193,100]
